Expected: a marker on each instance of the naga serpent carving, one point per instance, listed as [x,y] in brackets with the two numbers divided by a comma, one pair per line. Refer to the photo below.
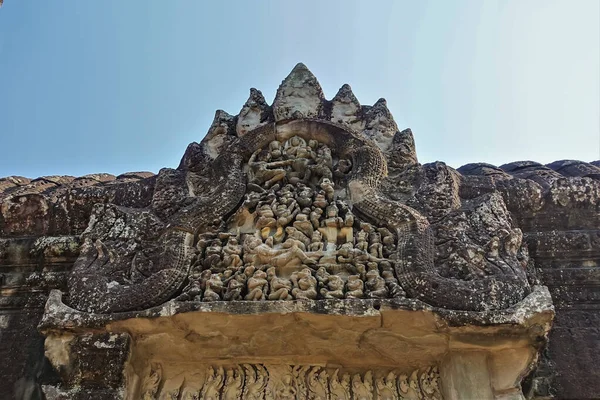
[92,289]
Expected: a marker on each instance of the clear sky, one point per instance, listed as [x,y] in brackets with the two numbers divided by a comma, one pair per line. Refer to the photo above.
[116,86]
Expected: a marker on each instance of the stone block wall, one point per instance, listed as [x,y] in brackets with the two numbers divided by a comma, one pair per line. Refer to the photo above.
[40,221]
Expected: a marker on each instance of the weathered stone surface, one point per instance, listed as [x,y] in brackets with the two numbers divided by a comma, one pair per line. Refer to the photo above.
[299,96]
[313,219]
[345,109]
[255,113]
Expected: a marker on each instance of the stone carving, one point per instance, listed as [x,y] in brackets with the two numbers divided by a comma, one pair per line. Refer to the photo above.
[255,214]
[284,382]
[151,384]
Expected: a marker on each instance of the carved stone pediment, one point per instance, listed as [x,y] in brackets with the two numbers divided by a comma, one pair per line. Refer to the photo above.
[307,209]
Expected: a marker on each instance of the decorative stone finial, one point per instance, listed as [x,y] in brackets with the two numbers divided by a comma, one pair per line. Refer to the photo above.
[380,125]
[299,95]
[345,109]
[256,112]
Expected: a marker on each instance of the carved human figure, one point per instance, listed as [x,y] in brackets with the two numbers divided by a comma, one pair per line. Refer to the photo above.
[362,389]
[213,383]
[235,287]
[305,285]
[264,173]
[316,242]
[213,254]
[286,213]
[375,246]
[388,241]
[279,287]
[341,169]
[303,240]
[334,289]
[362,239]
[327,186]
[234,382]
[292,145]
[266,221]
[193,290]
[304,195]
[317,384]
[320,201]
[260,254]
[322,168]
[330,225]
[339,389]
[232,254]
[355,287]
[275,150]
[256,381]
[376,288]
[386,387]
[303,225]
[257,284]
[283,388]
[213,286]
[429,384]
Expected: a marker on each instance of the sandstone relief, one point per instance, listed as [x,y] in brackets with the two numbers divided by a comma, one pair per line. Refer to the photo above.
[302,209]
[300,251]
[288,382]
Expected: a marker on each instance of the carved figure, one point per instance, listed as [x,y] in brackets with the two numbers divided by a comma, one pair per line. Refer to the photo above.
[362,389]
[355,287]
[317,384]
[386,387]
[263,254]
[197,199]
[339,389]
[303,225]
[376,285]
[213,384]
[316,242]
[213,286]
[405,390]
[305,285]
[234,382]
[257,285]
[335,288]
[235,287]
[265,173]
[280,287]
[233,253]
[256,381]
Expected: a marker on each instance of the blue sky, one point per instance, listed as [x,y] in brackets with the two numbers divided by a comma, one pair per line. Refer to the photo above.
[116,86]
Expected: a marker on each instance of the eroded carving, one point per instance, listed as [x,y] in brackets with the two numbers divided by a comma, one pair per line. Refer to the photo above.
[300,209]
[287,382]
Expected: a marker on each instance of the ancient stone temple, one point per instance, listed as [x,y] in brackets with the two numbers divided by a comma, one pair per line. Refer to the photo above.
[300,251]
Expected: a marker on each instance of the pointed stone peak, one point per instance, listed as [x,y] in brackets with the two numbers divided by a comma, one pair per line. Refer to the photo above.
[299,96]
[345,109]
[256,112]
[380,124]
[345,95]
[402,153]
[218,133]
[256,98]
[381,103]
